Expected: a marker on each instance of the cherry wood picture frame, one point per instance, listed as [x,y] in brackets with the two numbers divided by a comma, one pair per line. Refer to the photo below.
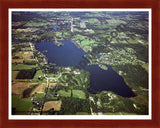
[154,5]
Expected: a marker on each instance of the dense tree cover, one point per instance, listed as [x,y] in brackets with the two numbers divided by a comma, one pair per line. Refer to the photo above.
[135,76]
[127,105]
[26,74]
[52,92]
[94,107]
[99,49]
[24,16]
[104,98]
[70,106]
[111,103]
[51,112]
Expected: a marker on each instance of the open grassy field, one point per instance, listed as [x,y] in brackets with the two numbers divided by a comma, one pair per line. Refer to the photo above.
[21,105]
[23,66]
[19,87]
[79,94]
[25,55]
[38,96]
[76,93]
[86,42]
[52,104]
[40,89]
[64,93]
[37,74]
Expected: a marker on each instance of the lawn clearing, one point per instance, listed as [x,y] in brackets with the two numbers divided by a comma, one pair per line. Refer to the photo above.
[23,66]
[19,87]
[40,89]
[76,93]
[86,42]
[79,94]
[37,74]
[52,104]
[64,93]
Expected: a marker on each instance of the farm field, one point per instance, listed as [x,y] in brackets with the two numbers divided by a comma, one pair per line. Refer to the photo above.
[23,66]
[52,85]
[25,55]
[14,75]
[52,104]
[20,106]
[17,60]
[39,89]
[19,87]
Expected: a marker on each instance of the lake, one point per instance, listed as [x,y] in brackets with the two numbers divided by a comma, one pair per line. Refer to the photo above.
[70,55]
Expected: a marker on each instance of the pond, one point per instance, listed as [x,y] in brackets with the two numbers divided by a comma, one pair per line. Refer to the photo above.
[70,55]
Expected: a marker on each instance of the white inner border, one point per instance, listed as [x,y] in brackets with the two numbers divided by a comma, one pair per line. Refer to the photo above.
[80,117]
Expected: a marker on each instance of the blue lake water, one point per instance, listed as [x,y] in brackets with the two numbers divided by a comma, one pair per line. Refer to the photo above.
[70,55]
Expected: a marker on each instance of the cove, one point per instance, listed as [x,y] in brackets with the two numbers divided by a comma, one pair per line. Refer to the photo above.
[100,80]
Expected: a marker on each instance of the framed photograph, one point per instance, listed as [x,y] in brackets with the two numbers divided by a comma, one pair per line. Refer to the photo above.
[80,63]
[79,66]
